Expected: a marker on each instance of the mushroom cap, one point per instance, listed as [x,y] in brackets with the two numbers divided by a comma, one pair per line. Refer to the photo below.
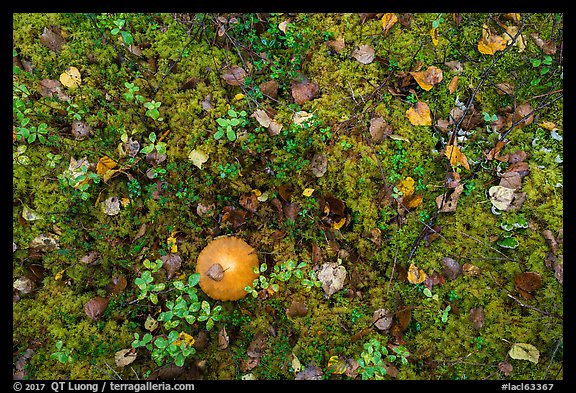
[236,259]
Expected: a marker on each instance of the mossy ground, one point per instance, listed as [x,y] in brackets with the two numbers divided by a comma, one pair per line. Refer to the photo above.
[179,48]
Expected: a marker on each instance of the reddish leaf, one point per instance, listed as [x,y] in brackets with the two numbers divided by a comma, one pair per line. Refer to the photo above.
[303,92]
[527,282]
[95,307]
[269,89]
[250,202]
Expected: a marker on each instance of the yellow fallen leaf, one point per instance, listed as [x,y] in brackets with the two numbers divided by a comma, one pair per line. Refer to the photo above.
[490,43]
[125,201]
[336,365]
[406,186]
[434,36]
[110,174]
[511,32]
[150,324]
[456,156]
[198,157]
[105,164]
[388,21]
[339,224]
[239,96]
[415,274]
[308,192]
[427,79]
[413,201]
[548,125]
[71,77]
[59,275]
[419,114]
[257,192]
[183,336]
[171,241]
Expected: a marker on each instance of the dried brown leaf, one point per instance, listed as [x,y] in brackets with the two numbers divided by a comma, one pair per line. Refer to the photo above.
[296,309]
[379,129]
[477,317]
[547,47]
[364,54]
[319,164]
[452,268]
[171,263]
[427,79]
[234,75]
[95,307]
[304,92]
[52,39]
[269,89]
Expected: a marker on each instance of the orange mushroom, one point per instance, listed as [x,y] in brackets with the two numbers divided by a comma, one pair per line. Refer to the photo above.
[226,266]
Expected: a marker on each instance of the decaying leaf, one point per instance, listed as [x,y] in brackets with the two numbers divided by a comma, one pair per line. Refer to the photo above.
[511,32]
[319,164]
[449,204]
[30,215]
[24,285]
[388,20]
[171,263]
[71,78]
[304,92]
[336,365]
[427,79]
[364,54]
[379,129]
[490,43]
[198,157]
[477,317]
[501,197]
[262,117]
[332,276]
[382,319]
[456,156]
[105,164]
[406,186]
[111,206]
[523,116]
[505,367]
[52,39]
[419,114]
[51,87]
[269,88]
[44,242]
[434,36]
[150,323]
[95,307]
[81,130]
[296,309]
[223,339]
[124,357]
[471,270]
[452,268]
[337,44]
[310,372]
[523,351]
[415,274]
[527,282]
[301,117]
[249,201]
[547,47]
[234,75]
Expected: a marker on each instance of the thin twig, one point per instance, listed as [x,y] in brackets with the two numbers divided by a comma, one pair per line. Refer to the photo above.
[548,314]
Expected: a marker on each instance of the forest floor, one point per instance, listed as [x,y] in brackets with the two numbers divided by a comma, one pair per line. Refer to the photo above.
[400,177]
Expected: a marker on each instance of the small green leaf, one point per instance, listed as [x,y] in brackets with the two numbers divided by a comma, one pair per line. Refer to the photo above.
[222,122]
[231,135]
[193,279]
[508,242]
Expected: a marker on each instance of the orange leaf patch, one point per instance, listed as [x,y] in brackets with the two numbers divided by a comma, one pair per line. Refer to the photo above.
[419,114]
[490,43]
[427,79]
[104,165]
[456,156]
[388,21]
[415,274]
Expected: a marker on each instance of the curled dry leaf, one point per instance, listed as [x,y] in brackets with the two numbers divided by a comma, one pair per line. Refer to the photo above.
[95,307]
[454,65]
[124,357]
[449,204]
[415,274]
[250,202]
[388,20]
[456,156]
[223,339]
[547,47]
[364,54]
[505,367]
[332,276]
[24,285]
[490,43]
[262,117]
[234,75]
[453,85]
[511,180]
[71,78]
[419,114]
[501,197]
[427,79]
[523,116]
